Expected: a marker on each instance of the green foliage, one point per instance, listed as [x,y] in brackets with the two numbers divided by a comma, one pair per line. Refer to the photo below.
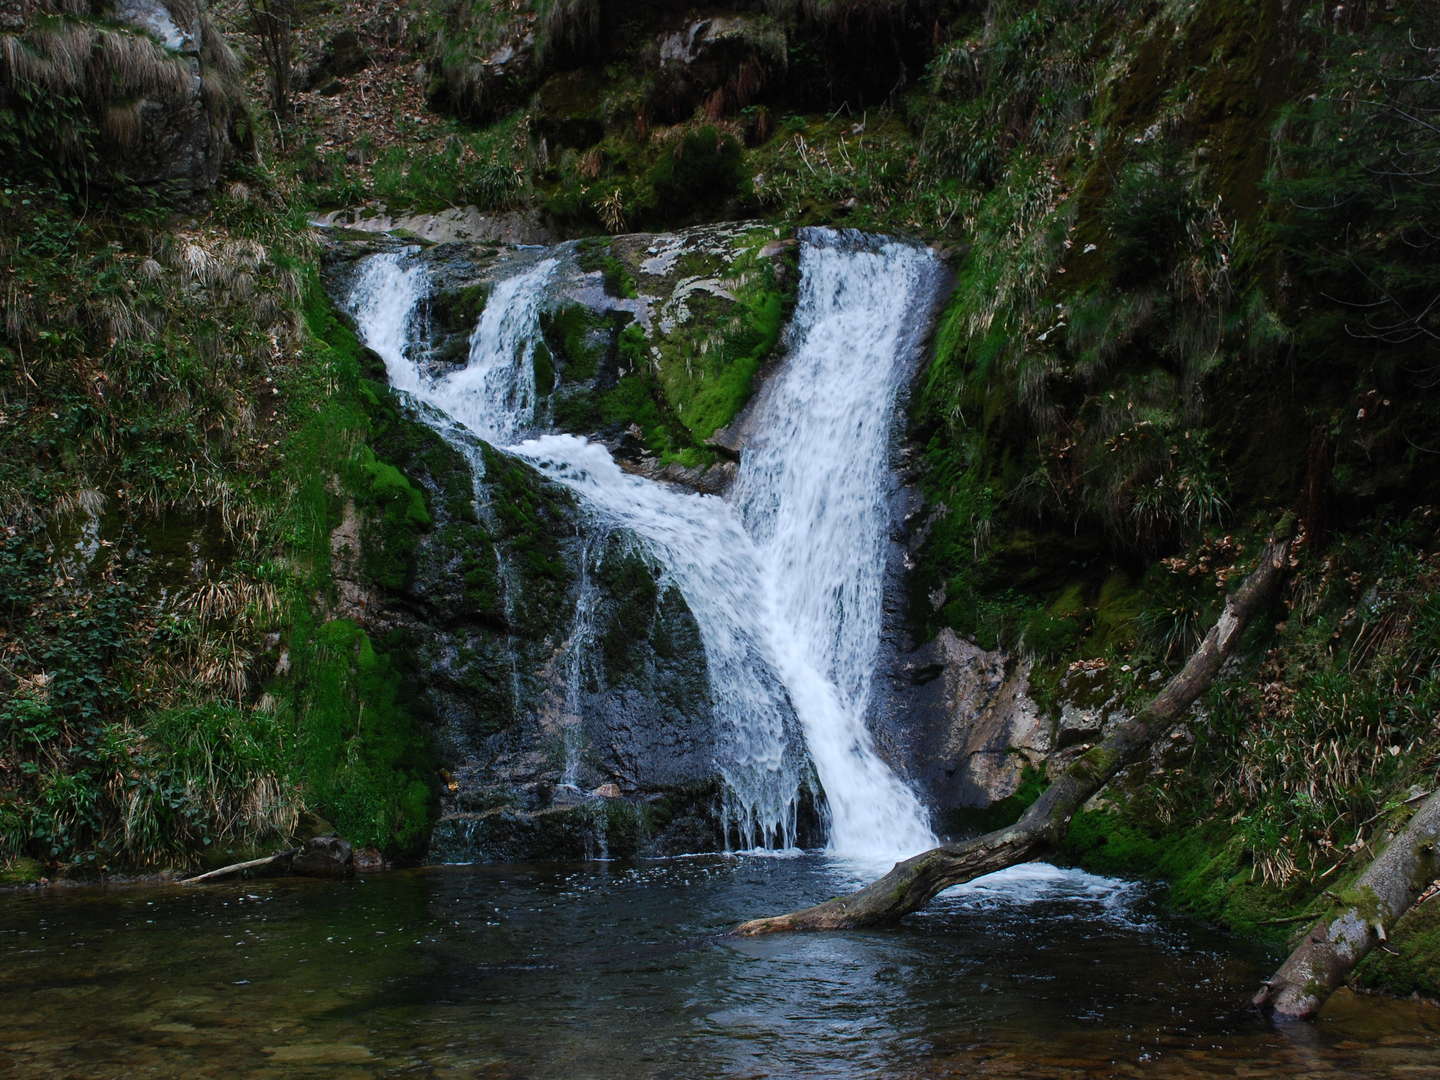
[1355,200]
[1148,213]
[702,170]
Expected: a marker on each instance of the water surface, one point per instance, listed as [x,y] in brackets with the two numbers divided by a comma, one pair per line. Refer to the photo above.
[609,971]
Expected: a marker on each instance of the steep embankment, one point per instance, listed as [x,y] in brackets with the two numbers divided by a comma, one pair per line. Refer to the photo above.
[1195,283]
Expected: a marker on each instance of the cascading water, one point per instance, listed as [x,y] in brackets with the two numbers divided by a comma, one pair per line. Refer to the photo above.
[579,645]
[811,493]
[785,577]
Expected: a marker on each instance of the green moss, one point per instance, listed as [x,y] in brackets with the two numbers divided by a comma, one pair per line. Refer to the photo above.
[578,339]
[544,366]
[629,580]
[533,516]
[361,753]
[1117,611]
[704,169]
[396,516]
[1204,867]
[1410,963]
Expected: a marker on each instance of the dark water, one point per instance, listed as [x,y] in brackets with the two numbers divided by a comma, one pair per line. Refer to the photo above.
[606,971]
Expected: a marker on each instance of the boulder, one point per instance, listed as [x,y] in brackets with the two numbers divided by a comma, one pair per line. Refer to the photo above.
[344,54]
[974,725]
[324,857]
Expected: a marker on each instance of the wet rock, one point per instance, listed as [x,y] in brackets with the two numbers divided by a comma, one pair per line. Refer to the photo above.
[324,857]
[369,860]
[709,479]
[319,1054]
[976,725]
[464,224]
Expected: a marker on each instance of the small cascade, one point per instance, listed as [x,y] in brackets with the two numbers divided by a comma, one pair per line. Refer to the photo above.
[784,578]
[494,394]
[576,651]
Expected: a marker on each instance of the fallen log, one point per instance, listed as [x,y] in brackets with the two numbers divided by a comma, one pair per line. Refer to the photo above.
[1340,939]
[235,868]
[912,884]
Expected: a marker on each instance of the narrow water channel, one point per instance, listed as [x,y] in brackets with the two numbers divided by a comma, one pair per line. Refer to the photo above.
[616,971]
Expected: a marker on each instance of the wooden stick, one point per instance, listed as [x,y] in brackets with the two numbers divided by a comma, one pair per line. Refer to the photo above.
[234,867]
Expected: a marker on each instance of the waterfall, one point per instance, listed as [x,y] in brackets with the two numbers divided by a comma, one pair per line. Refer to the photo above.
[812,494]
[785,576]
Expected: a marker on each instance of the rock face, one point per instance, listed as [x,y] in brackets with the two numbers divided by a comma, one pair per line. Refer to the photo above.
[456,225]
[724,62]
[489,59]
[547,660]
[975,726]
[563,677]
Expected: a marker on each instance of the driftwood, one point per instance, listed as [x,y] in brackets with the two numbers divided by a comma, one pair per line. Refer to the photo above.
[912,884]
[1339,940]
[235,868]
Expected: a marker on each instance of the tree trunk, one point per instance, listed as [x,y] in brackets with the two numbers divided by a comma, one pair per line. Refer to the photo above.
[1338,941]
[912,884]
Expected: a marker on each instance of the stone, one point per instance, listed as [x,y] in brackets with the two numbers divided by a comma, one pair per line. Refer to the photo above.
[975,723]
[464,224]
[324,857]
[319,1054]
[369,860]
[184,135]
[344,55]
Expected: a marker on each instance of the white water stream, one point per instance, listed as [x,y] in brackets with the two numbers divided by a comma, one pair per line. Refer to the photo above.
[784,577]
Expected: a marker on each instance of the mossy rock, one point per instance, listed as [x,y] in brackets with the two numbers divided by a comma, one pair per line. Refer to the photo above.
[568,108]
